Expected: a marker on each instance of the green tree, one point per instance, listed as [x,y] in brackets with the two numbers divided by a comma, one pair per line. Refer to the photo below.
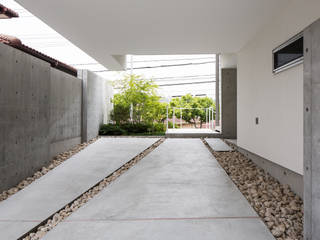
[121,109]
[141,94]
[204,102]
[194,108]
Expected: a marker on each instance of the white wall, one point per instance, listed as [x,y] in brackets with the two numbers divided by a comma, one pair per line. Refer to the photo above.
[276,99]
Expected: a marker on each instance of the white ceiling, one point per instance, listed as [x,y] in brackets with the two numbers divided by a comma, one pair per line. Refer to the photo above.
[108,29]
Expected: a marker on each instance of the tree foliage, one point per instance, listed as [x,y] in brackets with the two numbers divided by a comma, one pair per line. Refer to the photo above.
[195,108]
[139,94]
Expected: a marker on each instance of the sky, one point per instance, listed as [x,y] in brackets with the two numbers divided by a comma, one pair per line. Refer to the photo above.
[172,80]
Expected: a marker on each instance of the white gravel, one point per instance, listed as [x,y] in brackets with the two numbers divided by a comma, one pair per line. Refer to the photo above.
[277,205]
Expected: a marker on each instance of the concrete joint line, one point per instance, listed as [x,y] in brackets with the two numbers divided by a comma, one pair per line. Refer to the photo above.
[162,219]
[46,225]
[140,219]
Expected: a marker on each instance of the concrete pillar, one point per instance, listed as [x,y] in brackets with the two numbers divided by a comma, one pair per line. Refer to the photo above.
[229,102]
[83,75]
[217,91]
[92,104]
[311,91]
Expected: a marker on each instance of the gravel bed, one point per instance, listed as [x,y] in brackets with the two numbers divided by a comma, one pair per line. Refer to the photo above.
[277,205]
[57,160]
[85,197]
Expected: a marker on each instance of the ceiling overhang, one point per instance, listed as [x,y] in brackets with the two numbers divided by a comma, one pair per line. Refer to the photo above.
[108,30]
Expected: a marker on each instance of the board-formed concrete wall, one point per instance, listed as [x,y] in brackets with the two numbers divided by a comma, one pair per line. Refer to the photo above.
[41,113]
[24,115]
[229,102]
[93,103]
[65,111]
[311,110]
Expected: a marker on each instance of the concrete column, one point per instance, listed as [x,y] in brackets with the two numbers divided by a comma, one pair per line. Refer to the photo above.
[311,91]
[92,104]
[217,91]
[229,102]
[83,75]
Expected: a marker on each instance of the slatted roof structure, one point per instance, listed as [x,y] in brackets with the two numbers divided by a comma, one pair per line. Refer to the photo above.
[16,43]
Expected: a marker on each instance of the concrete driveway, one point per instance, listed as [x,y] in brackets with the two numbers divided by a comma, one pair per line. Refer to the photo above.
[178,191]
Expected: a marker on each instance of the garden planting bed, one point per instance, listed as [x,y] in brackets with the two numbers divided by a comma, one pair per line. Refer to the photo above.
[277,205]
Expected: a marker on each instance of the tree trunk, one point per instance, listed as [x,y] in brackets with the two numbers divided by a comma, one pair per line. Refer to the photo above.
[195,123]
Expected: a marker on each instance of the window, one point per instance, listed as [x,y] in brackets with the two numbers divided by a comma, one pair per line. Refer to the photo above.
[288,54]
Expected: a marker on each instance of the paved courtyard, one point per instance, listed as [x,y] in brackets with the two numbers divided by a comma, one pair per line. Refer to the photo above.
[178,191]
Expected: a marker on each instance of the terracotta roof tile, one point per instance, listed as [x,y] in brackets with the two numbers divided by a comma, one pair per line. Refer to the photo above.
[16,43]
[7,13]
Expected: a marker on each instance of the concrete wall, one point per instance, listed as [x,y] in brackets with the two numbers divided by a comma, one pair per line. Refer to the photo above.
[41,113]
[282,174]
[24,115]
[277,99]
[93,103]
[229,102]
[65,111]
[312,132]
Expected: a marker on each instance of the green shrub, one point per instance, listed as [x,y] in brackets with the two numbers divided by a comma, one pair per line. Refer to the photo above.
[110,129]
[170,124]
[132,129]
[159,127]
[136,127]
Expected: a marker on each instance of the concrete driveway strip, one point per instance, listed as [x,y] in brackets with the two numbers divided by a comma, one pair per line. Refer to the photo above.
[27,208]
[179,191]
[218,145]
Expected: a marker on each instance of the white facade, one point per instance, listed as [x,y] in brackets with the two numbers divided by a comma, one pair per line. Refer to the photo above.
[277,99]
